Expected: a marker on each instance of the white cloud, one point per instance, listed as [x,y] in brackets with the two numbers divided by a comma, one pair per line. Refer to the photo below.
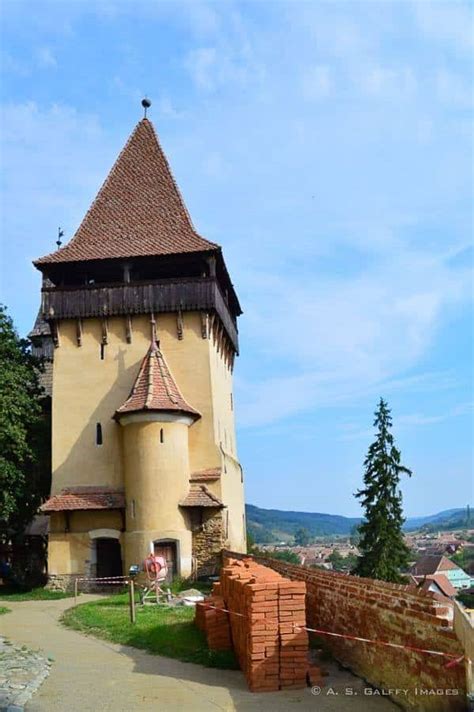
[454,89]
[447,21]
[46,58]
[13,65]
[341,339]
[317,82]
[202,65]
[48,174]
[387,82]
[352,431]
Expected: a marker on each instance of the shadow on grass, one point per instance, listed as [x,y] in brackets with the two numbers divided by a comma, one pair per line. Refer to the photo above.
[160,630]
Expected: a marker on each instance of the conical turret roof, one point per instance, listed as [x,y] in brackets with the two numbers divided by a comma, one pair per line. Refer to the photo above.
[155,388]
[138,211]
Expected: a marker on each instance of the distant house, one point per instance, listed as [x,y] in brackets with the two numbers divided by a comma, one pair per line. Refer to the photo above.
[437,583]
[429,566]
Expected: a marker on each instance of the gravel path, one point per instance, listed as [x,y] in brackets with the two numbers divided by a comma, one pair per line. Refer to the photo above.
[89,674]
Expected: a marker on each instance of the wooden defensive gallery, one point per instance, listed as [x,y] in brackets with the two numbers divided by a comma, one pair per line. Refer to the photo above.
[138,320]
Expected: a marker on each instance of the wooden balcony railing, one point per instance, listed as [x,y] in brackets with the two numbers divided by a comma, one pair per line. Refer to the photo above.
[170,295]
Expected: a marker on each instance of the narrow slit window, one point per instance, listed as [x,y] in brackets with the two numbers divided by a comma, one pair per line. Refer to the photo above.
[162,436]
[98,434]
[231,402]
[102,352]
[132,508]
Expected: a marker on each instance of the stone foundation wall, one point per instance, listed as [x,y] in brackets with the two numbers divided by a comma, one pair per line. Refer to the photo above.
[208,541]
[65,584]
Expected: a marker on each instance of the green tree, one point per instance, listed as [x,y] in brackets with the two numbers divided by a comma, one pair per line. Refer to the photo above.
[302,537]
[355,535]
[336,559]
[287,555]
[383,551]
[342,563]
[24,432]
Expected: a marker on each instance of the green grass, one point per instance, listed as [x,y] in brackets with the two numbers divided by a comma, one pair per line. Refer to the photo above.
[161,630]
[4,610]
[13,593]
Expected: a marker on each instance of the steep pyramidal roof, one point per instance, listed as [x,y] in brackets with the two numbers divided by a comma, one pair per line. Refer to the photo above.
[155,389]
[138,211]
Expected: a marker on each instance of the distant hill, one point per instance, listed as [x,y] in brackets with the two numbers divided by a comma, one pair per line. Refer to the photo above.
[273,525]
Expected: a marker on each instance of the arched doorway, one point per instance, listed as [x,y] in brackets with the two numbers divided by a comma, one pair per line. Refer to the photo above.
[169,550]
[105,553]
[109,557]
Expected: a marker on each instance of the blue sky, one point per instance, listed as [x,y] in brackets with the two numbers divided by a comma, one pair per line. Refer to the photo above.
[327,146]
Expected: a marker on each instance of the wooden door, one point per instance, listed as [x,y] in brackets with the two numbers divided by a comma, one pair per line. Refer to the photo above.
[168,550]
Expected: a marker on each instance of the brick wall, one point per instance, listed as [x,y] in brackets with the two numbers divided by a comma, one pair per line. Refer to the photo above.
[377,610]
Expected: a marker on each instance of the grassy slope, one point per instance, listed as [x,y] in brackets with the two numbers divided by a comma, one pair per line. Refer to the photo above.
[159,629]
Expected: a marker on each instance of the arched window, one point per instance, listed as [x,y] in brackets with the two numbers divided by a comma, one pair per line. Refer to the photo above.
[98,434]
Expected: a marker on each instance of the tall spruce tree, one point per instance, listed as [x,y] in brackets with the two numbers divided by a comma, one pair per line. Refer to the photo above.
[383,551]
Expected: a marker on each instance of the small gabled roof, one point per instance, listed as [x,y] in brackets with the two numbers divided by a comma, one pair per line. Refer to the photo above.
[79,498]
[138,212]
[442,582]
[155,388]
[200,496]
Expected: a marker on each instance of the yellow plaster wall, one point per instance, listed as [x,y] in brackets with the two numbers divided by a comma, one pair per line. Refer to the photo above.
[69,552]
[88,390]
[231,489]
[156,474]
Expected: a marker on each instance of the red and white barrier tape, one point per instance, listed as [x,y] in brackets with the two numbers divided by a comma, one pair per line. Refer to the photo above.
[225,610]
[454,659]
[112,579]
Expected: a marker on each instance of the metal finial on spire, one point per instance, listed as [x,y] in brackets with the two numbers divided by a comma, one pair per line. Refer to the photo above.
[146,103]
[60,235]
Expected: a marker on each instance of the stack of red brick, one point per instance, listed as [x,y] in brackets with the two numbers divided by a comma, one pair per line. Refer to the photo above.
[214,621]
[266,620]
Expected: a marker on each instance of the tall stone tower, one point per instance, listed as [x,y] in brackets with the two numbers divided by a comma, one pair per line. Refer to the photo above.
[143,317]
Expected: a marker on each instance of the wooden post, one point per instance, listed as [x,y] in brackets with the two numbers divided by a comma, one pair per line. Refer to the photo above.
[131,596]
[75,591]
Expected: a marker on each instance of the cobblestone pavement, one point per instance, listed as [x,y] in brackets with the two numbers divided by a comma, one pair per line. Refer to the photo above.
[21,673]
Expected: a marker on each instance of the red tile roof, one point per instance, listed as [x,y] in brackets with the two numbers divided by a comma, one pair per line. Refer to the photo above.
[427,565]
[443,583]
[155,388]
[200,496]
[213,473]
[138,211]
[85,498]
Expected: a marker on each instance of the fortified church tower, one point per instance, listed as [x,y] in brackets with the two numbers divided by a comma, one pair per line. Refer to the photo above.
[143,317]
